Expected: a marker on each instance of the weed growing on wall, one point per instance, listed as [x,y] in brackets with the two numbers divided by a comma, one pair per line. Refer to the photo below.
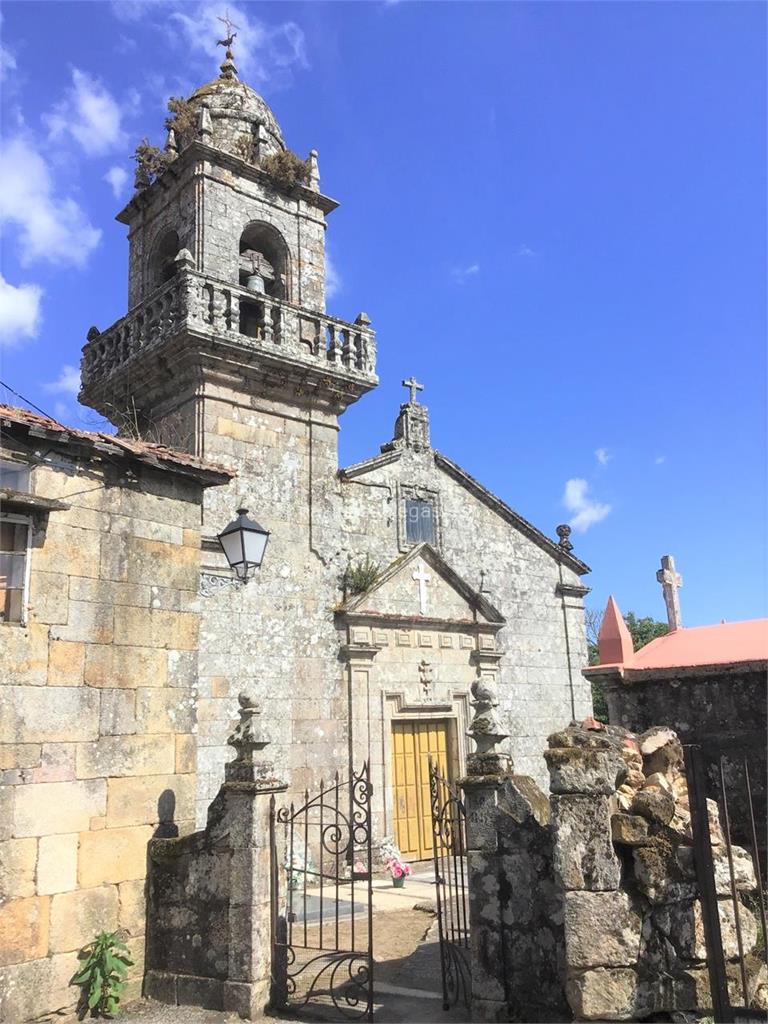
[102,976]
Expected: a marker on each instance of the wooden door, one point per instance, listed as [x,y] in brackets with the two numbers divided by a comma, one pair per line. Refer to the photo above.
[412,743]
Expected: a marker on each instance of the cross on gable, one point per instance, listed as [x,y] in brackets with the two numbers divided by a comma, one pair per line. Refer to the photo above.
[670,581]
[422,579]
[413,385]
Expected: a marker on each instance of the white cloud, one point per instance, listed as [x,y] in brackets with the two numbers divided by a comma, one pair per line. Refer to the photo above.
[7,59]
[523,250]
[262,52]
[116,177]
[67,383]
[603,456]
[333,282]
[659,460]
[7,62]
[586,511]
[19,312]
[51,227]
[90,114]
[462,274]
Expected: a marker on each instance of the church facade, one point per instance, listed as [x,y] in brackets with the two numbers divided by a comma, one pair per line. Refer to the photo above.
[227,352]
[388,590]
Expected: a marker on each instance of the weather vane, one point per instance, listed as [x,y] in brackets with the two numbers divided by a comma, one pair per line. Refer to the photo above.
[229,25]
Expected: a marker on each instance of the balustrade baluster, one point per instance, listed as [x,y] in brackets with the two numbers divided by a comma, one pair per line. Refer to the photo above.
[345,348]
[333,345]
[277,323]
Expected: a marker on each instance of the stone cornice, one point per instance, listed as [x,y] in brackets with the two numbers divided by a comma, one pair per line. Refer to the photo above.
[622,675]
[358,652]
[571,590]
[196,151]
[396,621]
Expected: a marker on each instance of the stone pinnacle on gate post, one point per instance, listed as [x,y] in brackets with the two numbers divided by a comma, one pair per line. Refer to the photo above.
[487,730]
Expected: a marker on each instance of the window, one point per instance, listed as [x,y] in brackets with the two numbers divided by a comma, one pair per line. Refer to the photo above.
[14,476]
[14,543]
[419,521]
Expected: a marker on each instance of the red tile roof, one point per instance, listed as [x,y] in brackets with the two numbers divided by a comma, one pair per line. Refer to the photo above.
[157,455]
[729,643]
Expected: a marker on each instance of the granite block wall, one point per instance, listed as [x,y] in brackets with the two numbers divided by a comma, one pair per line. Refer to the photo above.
[97,720]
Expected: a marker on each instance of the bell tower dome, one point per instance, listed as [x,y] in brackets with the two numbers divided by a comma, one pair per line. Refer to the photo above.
[227,270]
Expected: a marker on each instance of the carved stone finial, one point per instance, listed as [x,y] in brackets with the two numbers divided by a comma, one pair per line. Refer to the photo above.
[425,678]
[249,738]
[183,260]
[563,531]
[93,333]
[486,728]
[204,124]
[314,171]
[171,145]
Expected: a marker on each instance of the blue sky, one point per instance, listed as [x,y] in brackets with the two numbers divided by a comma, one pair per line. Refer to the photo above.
[555,215]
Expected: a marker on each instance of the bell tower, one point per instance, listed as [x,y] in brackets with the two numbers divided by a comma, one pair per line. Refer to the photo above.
[226,235]
[227,352]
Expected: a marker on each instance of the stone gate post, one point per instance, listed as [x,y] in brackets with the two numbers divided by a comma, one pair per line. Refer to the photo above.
[487,770]
[209,913]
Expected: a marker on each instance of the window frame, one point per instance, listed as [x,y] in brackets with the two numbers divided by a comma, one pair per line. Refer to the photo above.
[11,517]
[415,492]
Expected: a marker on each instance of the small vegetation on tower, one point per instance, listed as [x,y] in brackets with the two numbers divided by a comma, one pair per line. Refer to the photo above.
[285,168]
[183,121]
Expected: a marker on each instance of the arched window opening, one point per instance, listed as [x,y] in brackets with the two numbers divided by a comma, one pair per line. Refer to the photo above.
[163,266]
[264,265]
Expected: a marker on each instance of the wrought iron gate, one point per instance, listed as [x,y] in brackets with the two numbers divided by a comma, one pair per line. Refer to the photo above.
[322,923]
[729,778]
[450,850]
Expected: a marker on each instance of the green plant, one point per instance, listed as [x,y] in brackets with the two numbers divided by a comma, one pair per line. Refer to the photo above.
[183,120]
[102,975]
[151,161]
[360,577]
[285,169]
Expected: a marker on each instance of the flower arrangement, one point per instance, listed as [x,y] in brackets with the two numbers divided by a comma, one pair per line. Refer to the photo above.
[399,870]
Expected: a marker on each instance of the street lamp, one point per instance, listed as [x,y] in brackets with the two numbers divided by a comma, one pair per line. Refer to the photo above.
[243,542]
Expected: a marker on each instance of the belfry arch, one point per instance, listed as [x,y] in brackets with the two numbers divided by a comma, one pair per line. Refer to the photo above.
[264,261]
[161,262]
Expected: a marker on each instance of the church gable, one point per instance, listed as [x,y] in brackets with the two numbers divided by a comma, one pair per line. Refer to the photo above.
[422,585]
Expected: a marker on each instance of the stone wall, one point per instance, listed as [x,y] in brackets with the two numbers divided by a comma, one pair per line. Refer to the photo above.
[585,905]
[721,708]
[623,857]
[97,718]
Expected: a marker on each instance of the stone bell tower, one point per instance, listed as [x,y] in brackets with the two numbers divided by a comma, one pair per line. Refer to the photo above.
[227,352]
[226,278]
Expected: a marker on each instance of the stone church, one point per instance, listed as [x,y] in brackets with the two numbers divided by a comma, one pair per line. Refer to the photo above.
[126,636]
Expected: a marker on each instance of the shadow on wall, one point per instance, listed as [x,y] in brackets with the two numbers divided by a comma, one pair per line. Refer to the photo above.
[166,809]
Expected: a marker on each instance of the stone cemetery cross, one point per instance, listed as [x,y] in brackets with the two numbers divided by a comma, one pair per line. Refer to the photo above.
[413,385]
[670,582]
[422,579]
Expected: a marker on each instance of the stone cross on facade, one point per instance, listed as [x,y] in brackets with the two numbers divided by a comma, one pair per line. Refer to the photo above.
[670,581]
[422,579]
[413,385]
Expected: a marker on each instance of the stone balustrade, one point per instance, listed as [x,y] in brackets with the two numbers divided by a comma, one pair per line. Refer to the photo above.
[196,303]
